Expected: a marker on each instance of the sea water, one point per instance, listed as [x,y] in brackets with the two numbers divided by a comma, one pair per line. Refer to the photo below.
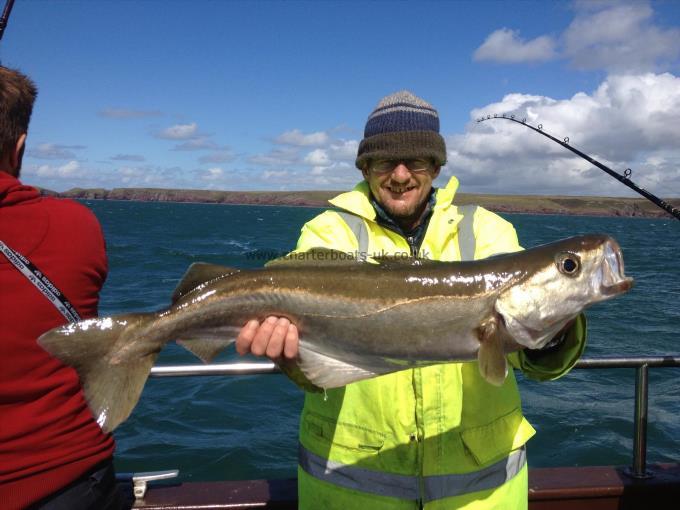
[245,427]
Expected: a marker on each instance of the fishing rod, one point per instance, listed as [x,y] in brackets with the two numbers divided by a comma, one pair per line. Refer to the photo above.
[674,211]
[5,16]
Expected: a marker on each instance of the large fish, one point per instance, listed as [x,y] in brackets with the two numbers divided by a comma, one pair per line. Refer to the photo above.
[355,320]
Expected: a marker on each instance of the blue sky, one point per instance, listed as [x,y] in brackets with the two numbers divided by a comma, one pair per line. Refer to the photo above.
[274,95]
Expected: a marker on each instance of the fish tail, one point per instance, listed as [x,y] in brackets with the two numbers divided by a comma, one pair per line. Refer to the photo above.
[111,362]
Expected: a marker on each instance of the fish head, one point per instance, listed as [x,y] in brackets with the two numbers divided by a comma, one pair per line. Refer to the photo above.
[561,279]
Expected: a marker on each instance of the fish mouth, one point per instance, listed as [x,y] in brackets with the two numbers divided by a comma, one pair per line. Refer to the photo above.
[611,275]
[617,288]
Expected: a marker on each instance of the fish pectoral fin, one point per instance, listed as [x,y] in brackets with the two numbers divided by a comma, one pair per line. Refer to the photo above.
[199,273]
[327,372]
[292,370]
[491,356]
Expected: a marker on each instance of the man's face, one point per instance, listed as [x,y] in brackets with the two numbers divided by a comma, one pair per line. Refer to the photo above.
[401,187]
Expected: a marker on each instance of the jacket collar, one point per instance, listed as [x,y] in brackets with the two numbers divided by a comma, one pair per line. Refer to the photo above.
[358,200]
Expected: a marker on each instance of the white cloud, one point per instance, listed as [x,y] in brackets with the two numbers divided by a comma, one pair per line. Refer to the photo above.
[338,152]
[275,174]
[505,45]
[54,151]
[296,138]
[73,174]
[344,150]
[200,143]
[69,170]
[179,132]
[131,176]
[213,174]
[152,176]
[626,122]
[277,157]
[334,165]
[619,38]
[127,157]
[220,156]
[327,167]
[192,140]
[318,157]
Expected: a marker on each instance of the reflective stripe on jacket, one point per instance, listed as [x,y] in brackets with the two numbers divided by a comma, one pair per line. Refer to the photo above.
[425,433]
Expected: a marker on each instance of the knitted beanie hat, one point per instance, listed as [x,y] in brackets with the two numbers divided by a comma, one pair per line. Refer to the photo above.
[402,126]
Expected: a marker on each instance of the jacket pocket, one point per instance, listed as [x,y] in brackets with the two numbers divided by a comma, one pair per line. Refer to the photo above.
[341,434]
[497,439]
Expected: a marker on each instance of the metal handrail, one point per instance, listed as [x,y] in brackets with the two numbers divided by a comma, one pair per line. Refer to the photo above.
[640,363]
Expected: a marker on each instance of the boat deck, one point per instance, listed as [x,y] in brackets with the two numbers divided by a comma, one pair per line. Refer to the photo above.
[560,488]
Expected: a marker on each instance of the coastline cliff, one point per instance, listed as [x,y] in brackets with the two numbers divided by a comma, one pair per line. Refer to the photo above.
[528,204]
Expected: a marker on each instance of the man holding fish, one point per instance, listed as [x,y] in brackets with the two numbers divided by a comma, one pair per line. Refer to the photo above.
[438,437]
[433,431]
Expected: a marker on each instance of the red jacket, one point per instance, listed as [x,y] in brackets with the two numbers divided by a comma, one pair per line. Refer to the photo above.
[48,437]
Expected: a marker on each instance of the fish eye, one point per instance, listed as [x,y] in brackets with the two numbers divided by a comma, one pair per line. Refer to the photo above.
[568,264]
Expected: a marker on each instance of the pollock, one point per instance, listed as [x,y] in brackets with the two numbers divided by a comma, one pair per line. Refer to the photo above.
[355,319]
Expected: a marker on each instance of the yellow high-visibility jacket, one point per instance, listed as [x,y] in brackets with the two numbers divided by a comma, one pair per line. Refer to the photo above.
[441,435]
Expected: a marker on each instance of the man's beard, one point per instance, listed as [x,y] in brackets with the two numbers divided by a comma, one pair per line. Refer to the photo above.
[402,215]
[411,216]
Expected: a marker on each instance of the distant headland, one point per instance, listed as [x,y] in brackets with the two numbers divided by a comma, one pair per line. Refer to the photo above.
[528,204]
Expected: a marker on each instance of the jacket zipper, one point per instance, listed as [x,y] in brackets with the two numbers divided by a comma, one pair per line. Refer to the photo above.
[414,249]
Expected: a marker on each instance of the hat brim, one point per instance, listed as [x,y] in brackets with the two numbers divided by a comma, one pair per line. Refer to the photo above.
[402,145]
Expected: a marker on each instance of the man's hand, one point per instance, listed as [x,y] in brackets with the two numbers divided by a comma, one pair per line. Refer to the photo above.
[275,337]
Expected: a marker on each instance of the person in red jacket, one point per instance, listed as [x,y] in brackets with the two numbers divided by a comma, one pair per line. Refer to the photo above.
[53,454]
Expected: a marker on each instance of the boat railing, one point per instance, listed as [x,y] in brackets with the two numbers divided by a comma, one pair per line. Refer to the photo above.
[641,364]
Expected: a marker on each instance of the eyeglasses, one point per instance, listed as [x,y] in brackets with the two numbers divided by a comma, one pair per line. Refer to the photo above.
[385,166]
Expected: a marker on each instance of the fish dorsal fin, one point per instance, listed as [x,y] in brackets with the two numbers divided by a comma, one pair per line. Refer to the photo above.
[316,257]
[198,274]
